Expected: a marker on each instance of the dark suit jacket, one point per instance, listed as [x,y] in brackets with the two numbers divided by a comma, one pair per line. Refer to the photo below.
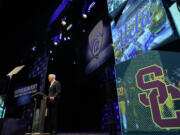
[55,91]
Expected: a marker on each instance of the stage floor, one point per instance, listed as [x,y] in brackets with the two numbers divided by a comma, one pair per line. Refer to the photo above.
[68,134]
[118,133]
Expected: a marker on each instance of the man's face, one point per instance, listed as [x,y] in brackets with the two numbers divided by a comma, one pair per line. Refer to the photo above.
[50,78]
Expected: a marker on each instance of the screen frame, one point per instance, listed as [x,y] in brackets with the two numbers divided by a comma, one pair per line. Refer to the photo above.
[170,18]
[175,35]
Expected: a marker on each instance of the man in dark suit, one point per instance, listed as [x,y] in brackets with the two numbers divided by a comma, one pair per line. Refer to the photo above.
[54,94]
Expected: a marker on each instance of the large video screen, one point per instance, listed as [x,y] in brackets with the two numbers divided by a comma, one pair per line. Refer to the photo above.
[143,25]
[148,90]
[1,102]
[2,110]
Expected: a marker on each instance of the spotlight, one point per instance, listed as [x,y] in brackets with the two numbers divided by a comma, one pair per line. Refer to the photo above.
[83,30]
[91,6]
[64,38]
[50,51]
[84,16]
[52,59]
[63,23]
[69,27]
[55,43]
[68,38]
[60,36]
[34,48]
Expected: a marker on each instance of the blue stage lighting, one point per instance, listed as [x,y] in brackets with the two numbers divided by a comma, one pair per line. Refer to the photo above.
[34,48]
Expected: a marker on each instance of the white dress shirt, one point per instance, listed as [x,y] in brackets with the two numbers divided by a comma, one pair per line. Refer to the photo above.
[52,83]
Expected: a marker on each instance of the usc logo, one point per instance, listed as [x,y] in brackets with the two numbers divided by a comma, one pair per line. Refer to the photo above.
[159,94]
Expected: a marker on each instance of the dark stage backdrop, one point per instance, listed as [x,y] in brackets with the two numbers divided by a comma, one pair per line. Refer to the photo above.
[81,106]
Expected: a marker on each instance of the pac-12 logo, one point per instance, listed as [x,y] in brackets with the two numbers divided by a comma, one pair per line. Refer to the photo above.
[159,95]
[96,39]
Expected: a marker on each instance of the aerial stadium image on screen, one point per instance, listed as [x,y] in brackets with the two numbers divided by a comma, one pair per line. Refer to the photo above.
[114,4]
[142,26]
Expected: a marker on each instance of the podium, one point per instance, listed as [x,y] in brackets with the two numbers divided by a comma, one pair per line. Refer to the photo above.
[40,100]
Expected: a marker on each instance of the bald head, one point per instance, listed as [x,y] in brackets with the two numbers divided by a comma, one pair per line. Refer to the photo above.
[52,77]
